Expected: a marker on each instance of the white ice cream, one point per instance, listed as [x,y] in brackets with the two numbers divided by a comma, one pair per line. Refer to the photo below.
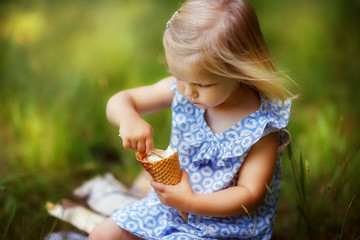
[163,154]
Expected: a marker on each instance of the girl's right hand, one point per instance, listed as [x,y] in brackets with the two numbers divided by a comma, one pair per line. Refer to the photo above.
[124,110]
[136,134]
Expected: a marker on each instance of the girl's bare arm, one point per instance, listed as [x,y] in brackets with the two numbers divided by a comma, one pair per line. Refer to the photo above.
[125,108]
[254,174]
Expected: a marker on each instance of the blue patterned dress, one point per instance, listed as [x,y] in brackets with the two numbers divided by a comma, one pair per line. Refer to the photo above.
[212,161]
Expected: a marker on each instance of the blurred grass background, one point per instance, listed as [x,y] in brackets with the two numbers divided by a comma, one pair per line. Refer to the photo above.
[60,61]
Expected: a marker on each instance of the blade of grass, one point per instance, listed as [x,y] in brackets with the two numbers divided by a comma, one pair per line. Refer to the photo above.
[52,228]
[299,178]
[347,211]
[13,177]
[341,179]
[302,176]
[11,218]
[34,228]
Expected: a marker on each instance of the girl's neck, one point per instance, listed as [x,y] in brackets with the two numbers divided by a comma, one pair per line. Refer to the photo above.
[223,117]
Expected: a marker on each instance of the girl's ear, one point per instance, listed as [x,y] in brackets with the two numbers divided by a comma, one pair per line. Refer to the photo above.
[165,62]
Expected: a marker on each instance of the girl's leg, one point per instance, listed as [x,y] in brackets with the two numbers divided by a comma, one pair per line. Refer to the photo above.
[109,230]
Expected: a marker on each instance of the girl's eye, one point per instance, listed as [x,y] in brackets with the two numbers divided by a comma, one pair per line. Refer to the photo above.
[205,85]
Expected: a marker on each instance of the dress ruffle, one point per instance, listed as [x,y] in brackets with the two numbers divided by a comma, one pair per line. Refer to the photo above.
[206,146]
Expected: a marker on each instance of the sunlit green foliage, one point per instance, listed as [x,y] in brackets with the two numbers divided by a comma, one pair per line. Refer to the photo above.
[61,60]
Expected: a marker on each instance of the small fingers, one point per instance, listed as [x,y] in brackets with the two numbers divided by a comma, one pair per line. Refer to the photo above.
[184,173]
[149,145]
[141,146]
[126,143]
[141,143]
[159,187]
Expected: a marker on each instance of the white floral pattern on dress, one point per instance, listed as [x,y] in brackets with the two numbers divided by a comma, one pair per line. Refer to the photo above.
[212,161]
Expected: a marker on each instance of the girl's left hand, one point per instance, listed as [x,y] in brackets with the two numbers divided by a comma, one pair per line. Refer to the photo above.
[178,196]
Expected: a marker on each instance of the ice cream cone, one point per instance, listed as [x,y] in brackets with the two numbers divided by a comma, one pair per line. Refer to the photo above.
[163,166]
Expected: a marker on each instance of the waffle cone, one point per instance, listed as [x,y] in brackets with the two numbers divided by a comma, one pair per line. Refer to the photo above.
[166,170]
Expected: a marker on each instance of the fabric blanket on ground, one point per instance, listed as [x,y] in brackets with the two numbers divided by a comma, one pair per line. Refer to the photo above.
[102,196]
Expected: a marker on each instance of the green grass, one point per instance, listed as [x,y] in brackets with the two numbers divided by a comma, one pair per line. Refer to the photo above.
[60,62]
[326,212]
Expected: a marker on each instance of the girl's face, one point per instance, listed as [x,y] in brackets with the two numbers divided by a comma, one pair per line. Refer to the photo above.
[202,90]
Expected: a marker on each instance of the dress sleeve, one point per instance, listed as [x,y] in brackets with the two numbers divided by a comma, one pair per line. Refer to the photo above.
[173,87]
[278,118]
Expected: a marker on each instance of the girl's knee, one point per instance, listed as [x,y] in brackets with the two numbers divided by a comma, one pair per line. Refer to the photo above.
[95,234]
[106,230]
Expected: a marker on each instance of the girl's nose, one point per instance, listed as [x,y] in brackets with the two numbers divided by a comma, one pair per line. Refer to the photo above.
[190,91]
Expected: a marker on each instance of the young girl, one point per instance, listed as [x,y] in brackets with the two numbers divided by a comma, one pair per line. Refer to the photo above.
[229,113]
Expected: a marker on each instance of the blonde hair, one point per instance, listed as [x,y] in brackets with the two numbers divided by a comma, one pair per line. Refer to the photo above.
[223,37]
